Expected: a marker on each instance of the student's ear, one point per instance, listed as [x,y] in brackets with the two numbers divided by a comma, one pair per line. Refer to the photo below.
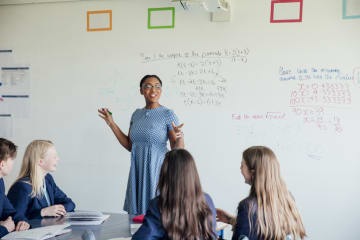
[2,164]
[141,91]
[41,162]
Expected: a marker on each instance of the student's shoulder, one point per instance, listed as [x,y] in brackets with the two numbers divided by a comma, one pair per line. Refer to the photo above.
[2,186]
[244,204]
[49,179]
[247,200]
[209,200]
[207,197]
[154,207]
[22,184]
[154,203]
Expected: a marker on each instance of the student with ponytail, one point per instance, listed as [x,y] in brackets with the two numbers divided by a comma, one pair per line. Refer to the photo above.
[269,212]
[181,211]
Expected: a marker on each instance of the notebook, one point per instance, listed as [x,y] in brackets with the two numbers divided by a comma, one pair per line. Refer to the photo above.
[84,214]
[86,217]
[39,233]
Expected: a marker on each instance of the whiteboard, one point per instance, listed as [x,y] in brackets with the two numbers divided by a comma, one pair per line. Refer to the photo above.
[292,86]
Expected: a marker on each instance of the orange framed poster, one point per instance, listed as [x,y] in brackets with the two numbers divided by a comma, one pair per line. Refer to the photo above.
[99,20]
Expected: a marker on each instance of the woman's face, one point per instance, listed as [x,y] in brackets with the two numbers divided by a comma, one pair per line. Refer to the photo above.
[151,89]
[50,160]
[245,172]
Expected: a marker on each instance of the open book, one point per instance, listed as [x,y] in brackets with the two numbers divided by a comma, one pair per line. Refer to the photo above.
[39,233]
[86,217]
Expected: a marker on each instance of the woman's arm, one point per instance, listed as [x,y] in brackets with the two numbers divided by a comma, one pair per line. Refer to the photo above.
[123,139]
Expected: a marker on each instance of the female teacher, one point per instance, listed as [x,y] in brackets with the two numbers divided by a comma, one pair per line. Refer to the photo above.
[150,128]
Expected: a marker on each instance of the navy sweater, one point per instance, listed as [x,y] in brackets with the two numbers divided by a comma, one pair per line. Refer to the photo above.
[29,207]
[242,227]
[6,209]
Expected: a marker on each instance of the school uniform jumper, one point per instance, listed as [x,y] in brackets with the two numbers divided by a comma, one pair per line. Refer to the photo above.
[242,227]
[152,228]
[149,135]
[29,207]
[7,210]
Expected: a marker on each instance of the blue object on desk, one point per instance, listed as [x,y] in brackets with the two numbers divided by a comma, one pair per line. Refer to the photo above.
[220,234]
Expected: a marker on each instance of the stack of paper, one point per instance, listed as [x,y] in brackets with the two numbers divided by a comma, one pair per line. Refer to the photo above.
[40,233]
[129,238]
[86,217]
[221,226]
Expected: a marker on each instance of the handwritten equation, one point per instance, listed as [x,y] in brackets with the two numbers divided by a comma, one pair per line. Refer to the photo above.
[327,94]
[313,73]
[198,75]
[258,116]
[319,117]
[235,55]
[317,103]
[200,82]
[321,93]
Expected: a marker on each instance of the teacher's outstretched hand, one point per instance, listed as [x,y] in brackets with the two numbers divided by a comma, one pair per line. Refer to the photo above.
[105,114]
[123,139]
[179,142]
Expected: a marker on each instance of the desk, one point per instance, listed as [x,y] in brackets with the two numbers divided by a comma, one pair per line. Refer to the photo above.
[117,225]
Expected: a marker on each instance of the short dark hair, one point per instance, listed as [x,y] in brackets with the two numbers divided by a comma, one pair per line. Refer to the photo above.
[149,76]
[7,149]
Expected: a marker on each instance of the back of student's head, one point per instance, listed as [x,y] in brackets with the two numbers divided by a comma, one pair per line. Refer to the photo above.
[35,151]
[7,149]
[278,215]
[263,164]
[184,210]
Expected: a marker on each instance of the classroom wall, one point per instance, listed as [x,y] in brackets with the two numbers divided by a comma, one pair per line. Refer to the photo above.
[291,86]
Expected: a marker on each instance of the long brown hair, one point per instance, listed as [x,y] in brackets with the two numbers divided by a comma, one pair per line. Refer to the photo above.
[277,213]
[184,212]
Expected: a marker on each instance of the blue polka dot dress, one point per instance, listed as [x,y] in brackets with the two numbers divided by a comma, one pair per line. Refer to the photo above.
[149,135]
